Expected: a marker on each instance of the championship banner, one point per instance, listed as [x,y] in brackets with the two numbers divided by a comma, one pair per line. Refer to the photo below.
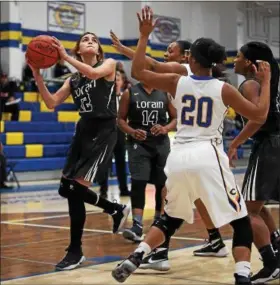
[66,17]
[167,30]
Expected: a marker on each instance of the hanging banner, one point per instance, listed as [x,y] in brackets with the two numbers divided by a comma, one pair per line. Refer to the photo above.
[167,30]
[67,17]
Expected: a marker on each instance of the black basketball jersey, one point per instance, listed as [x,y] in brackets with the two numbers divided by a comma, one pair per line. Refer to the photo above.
[147,110]
[95,99]
[272,123]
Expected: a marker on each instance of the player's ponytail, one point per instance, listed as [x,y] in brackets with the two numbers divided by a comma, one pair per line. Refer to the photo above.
[216,53]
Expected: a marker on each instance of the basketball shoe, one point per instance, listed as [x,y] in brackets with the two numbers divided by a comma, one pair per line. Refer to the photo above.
[214,248]
[156,260]
[134,233]
[71,260]
[127,267]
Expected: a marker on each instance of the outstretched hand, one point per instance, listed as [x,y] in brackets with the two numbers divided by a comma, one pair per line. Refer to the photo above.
[60,48]
[262,73]
[116,41]
[146,22]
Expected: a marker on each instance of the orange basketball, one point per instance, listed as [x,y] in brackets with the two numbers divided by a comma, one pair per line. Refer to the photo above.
[41,53]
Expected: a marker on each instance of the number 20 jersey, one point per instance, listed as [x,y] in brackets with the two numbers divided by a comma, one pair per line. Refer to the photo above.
[200,108]
[95,99]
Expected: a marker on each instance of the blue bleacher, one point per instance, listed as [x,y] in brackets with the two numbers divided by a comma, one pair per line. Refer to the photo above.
[43,138]
[40,116]
[42,143]
[54,150]
[40,127]
[38,164]
[32,106]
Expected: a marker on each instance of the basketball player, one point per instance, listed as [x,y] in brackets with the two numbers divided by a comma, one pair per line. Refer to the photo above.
[93,92]
[262,178]
[176,61]
[197,158]
[120,148]
[175,57]
[143,116]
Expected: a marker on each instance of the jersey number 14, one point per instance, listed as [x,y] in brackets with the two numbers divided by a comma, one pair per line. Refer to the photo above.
[149,118]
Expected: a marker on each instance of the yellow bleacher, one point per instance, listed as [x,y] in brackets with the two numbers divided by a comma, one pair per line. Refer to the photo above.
[34,150]
[68,116]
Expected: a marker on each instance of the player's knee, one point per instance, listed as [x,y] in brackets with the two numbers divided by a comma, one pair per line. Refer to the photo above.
[243,233]
[137,195]
[168,225]
[64,187]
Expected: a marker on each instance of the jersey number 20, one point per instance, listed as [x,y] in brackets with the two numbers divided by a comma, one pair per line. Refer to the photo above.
[203,114]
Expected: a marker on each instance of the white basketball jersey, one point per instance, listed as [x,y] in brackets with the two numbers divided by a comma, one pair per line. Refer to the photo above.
[200,109]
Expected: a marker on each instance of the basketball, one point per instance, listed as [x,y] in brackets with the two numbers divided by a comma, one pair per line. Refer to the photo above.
[41,53]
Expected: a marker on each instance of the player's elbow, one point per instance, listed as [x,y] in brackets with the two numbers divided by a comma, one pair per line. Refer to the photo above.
[260,119]
[51,104]
[134,73]
[92,74]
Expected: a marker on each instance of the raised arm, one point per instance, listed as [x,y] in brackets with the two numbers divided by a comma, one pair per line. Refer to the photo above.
[107,69]
[254,112]
[165,82]
[154,65]
[50,100]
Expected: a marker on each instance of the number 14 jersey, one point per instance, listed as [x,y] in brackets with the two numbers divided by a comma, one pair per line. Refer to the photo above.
[146,110]
[200,108]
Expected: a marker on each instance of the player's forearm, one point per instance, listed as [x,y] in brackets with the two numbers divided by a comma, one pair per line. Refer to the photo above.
[128,52]
[264,101]
[124,127]
[83,68]
[138,63]
[247,132]
[44,92]
[171,126]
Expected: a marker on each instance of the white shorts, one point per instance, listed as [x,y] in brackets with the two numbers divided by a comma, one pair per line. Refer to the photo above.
[200,170]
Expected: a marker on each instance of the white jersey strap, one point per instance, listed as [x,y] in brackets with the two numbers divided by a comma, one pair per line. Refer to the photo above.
[187,66]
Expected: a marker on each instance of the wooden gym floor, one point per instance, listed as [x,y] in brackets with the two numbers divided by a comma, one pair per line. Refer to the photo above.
[35,233]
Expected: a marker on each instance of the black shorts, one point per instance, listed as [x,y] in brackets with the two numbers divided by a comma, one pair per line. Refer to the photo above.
[147,162]
[262,178]
[90,152]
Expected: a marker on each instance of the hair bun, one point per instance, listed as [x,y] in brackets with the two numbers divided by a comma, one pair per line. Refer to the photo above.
[216,53]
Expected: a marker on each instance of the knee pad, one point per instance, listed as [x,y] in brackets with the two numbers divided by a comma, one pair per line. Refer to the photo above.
[243,233]
[137,195]
[168,225]
[64,187]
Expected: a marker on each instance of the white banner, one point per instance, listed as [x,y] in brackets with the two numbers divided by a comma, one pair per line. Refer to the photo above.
[67,17]
[166,31]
